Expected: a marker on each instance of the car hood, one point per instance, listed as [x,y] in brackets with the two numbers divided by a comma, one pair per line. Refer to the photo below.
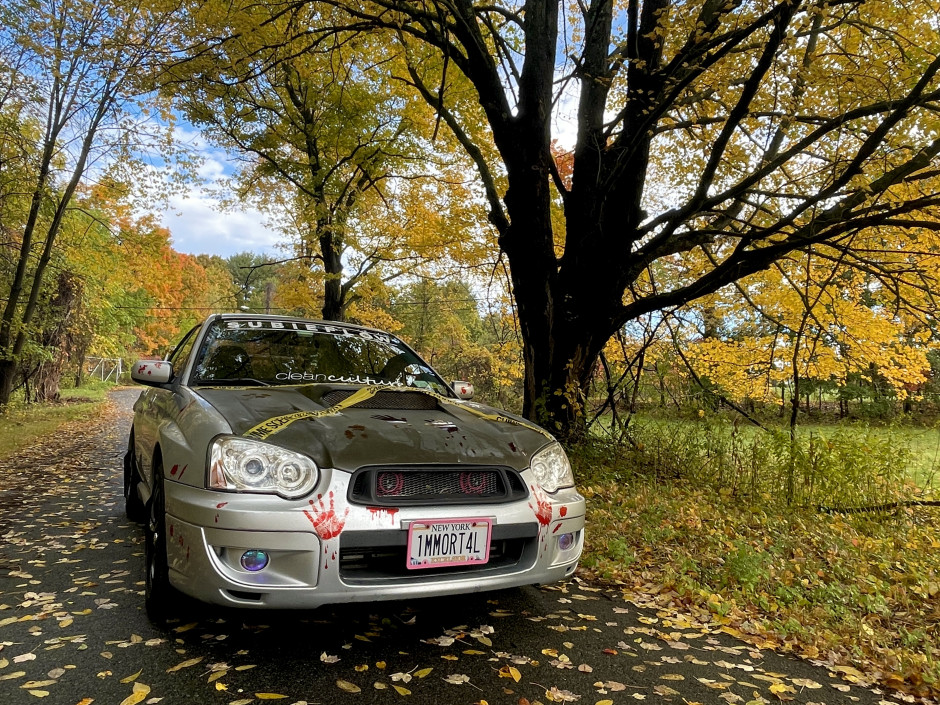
[347,437]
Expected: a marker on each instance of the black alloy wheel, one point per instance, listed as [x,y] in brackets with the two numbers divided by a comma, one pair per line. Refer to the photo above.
[159,594]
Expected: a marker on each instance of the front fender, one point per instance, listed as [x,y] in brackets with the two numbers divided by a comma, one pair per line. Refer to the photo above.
[183,437]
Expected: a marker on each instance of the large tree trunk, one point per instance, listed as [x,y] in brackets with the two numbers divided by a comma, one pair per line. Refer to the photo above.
[56,339]
[8,371]
[334,305]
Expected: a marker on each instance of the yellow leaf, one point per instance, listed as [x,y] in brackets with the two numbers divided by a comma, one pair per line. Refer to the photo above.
[348,687]
[380,665]
[216,675]
[401,690]
[140,693]
[186,627]
[65,623]
[131,679]
[474,652]
[805,683]
[185,664]
[219,685]
[423,673]
[449,657]
[37,684]
[604,702]
[245,667]
[362,668]
[270,696]
[379,685]
[85,701]
[38,693]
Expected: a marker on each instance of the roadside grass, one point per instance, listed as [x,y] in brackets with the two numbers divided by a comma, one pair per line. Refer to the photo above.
[857,589]
[24,424]
[920,442]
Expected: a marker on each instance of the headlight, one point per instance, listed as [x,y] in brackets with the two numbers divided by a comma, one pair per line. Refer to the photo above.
[249,466]
[551,468]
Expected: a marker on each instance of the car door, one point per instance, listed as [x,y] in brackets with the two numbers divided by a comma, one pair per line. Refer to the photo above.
[159,405]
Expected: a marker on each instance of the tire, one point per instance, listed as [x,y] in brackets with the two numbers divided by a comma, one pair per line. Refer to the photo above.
[159,595]
[134,507]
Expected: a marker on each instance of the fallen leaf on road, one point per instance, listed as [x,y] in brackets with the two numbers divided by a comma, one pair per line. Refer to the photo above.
[140,692]
[185,664]
[348,687]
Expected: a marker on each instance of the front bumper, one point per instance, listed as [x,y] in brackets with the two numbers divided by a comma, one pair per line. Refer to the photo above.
[324,550]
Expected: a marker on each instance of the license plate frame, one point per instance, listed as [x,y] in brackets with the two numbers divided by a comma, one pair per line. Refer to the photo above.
[460,543]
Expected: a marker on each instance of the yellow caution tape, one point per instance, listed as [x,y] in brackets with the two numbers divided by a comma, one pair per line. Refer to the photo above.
[273,425]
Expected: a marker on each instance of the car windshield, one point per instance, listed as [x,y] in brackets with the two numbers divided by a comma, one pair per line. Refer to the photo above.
[267,352]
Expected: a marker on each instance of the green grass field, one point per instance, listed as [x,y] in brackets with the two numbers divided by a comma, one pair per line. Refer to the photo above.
[921,442]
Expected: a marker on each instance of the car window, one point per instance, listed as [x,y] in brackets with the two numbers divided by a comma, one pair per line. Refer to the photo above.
[182,351]
[289,352]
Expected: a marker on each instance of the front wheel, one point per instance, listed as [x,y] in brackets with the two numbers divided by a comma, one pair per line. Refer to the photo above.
[159,594]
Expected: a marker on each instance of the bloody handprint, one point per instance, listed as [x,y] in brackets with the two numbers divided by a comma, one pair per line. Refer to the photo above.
[324,519]
[543,508]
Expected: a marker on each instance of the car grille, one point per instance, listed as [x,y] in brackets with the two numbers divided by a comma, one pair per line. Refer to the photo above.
[404,486]
[383,400]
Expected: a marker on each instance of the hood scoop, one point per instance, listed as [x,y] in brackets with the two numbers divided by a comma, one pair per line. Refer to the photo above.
[405,401]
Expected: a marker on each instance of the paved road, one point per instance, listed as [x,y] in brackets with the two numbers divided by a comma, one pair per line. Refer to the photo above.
[73,630]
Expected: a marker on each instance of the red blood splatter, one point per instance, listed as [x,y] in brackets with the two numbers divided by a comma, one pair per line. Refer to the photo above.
[174,469]
[216,518]
[187,553]
[390,512]
[172,527]
[512,447]
[543,508]
[563,511]
[182,471]
[555,530]
[222,504]
[324,518]
[333,557]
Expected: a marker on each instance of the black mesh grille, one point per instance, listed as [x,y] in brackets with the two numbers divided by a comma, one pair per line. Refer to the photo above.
[393,486]
[383,400]
[416,484]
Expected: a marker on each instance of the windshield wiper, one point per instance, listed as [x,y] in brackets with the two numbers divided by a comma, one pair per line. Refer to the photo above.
[232,381]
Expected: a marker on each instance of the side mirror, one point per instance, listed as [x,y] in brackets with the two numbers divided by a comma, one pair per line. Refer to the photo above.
[464,389]
[152,372]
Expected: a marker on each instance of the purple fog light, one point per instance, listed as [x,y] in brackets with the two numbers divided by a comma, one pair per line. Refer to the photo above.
[254,560]
[565,541]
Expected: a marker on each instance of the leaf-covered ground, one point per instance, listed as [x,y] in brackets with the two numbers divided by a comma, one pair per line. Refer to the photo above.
[73,631]
[860,593]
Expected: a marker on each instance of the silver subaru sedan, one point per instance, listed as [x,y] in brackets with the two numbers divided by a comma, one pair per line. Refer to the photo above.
[288,463]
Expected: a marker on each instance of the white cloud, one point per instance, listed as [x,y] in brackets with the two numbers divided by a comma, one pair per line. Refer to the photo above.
[198,220]
[199,225]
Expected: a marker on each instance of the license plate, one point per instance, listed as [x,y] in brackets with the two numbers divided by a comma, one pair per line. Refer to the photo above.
[437,543]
